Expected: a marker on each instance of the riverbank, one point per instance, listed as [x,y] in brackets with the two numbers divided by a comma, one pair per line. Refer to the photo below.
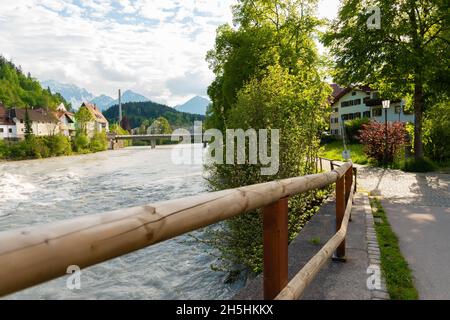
[38,147]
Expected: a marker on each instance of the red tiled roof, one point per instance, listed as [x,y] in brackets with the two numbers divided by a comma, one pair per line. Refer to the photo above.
[4,119]
[96,113]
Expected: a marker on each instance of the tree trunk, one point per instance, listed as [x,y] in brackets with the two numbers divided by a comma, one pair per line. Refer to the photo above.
[418,115]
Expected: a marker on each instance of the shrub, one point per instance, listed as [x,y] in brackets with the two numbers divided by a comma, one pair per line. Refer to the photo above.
[3,150]
[352,128]
[80,143]
[58,145]
[436,132]
[372,136]
[421,165]
[99,142]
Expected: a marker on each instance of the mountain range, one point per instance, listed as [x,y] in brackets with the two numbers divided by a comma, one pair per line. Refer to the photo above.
[196,105]
[76,96]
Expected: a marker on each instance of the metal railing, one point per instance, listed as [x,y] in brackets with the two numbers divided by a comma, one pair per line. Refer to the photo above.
[33,255]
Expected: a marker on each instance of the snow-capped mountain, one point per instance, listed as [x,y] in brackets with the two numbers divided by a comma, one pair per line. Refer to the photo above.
[129,96]
[196,105]
[103,102]
[70,92]
[76,96]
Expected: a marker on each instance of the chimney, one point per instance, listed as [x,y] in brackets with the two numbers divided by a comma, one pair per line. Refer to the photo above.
[120,109]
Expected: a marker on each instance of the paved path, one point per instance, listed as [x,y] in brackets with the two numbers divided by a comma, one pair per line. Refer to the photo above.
[418,208]
[336,280]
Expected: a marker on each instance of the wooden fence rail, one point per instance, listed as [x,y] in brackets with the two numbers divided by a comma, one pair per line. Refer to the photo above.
[33,255]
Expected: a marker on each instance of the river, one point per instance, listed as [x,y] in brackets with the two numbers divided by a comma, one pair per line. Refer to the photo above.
[41,191]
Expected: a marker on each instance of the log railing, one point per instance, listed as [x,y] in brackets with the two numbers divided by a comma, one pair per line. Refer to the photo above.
[33,255]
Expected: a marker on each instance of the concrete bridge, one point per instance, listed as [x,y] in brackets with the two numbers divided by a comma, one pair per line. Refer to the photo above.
[115,138]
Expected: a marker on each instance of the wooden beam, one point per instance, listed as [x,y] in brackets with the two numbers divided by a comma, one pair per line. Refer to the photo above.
[275,221]
[33,255]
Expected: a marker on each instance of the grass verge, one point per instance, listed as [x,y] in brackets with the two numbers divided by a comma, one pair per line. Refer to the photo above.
[395,269]
[333,151]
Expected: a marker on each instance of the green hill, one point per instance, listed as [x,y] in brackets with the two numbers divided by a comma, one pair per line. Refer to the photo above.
[20,90]
[137,112]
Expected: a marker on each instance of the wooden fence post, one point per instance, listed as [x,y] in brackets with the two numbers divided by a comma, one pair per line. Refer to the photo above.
[340,211]
[275,221]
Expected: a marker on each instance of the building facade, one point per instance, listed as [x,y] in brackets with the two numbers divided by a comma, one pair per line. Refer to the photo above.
[361,102]
[99,122]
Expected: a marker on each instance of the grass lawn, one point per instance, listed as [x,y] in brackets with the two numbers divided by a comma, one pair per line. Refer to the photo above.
[333,151]
[394,267]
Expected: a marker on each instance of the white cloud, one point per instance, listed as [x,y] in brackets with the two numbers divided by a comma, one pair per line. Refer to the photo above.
[154,47]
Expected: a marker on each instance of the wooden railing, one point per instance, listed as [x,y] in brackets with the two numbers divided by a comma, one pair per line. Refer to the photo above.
[33,255]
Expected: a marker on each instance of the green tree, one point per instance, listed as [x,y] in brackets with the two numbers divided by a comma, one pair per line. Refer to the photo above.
[83,116]
[268,76]
[407,56]
[28,125]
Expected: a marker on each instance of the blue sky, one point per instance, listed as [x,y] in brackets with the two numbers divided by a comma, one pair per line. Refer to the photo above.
[153,47]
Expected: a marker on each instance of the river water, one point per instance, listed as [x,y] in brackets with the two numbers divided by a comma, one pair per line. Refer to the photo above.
[41,191]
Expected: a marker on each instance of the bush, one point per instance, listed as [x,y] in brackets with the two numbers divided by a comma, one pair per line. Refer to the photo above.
[58,145]
[436,132]
[352,128]
[99,142]
[3,150]
[80,143]
[422,165]
[372,136]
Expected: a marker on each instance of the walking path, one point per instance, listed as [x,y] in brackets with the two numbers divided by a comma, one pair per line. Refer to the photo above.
[418,208]
[336,280]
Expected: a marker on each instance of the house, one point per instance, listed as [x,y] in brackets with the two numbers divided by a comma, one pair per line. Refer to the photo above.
[66,121]
[99,122]
[43,122]
[7,126]
[357,102]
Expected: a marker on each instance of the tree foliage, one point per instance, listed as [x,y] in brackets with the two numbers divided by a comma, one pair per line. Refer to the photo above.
[408,56]
[138,112]
[20,90]
[268,76]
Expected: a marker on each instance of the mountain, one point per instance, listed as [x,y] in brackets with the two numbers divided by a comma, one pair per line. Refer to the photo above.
[137,112]
[18,89]
[129,96]
[70,92]
[196,105]
[103,102]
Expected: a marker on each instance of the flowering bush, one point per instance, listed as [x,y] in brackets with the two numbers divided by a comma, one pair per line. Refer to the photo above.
[372,136]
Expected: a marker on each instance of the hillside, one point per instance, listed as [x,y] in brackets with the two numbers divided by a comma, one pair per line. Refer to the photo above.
[20,90]
[137,112]
[196,105]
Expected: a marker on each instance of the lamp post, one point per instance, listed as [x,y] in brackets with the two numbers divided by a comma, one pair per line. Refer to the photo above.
[386,105]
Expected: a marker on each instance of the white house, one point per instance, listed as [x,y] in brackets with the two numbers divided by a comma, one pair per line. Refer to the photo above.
[66,121]
[362,102]
[43,122]
[7,126]
[99,122]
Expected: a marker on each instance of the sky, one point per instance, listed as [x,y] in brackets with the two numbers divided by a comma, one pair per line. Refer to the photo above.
[154,47]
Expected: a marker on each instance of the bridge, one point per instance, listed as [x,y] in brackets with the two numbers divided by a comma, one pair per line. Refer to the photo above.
[36,254]
[114,138]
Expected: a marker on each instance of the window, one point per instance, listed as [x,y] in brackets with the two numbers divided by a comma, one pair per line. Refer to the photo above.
[335,109]
[366,114]
[334,120]
[366,99]
[21,121]
[368,93]
[354,93]
[1,130]
[10,130]
[356,102]
[397,109]
[357,115]
[346,103]
[345,117]
[377,112]
[22,129]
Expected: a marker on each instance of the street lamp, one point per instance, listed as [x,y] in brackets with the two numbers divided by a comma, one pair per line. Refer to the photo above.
[386,105]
